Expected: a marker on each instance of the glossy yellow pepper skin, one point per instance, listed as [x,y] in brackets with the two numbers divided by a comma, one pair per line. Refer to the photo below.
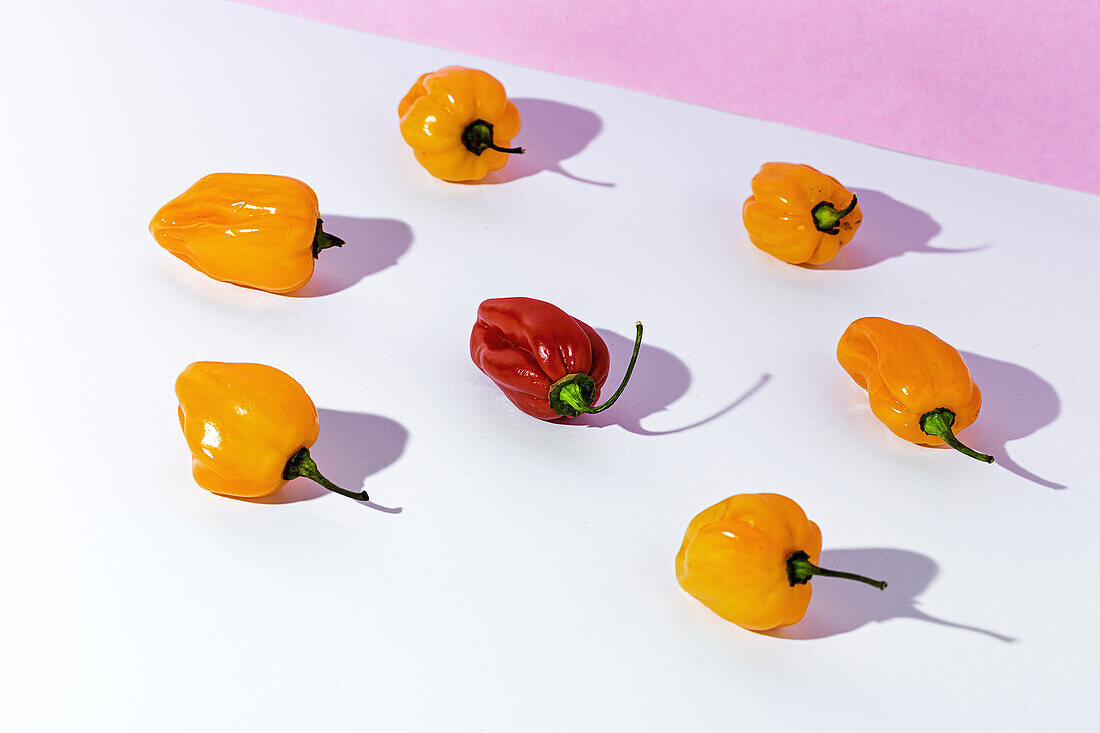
[749,558]
[256,230]
[918,385]
[799,214]
[459,123]
[249,428]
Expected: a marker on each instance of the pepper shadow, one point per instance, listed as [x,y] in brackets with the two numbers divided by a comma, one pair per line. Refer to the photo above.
[551,133]
[372,245]
[659,379]
[890,229]
[839,606]
[1016,402]
[352,447]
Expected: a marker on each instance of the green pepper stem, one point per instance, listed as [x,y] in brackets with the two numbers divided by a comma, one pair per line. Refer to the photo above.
[938,422]
[826,216]
[800,570]
[324,240]
[301,464]
[573,395]
[517,151]
[478,137]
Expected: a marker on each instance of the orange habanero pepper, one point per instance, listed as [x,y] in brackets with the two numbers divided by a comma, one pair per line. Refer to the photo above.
[749,558]
[793,213]
[250,229]
[249,428]
[918,385]
[459,122]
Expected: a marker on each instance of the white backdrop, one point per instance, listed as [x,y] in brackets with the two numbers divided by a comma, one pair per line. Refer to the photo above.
[514,574]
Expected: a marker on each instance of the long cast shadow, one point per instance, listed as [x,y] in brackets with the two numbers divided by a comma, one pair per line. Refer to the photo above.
[1016,402]
[890,229]
[659,380]
[371,245]
[839,606]
[551,133]
[353,446]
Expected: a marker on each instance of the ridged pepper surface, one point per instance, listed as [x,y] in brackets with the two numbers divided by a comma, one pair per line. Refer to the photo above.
[249,428]
[749,558]
[546,362]
[252,229]
[799,214]
[917,384]
[459,123]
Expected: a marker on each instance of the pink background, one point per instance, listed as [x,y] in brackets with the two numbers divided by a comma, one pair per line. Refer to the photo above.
[1011,87]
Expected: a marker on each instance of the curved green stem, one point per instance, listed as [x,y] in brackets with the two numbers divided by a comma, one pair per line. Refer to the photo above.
[575,390]
[517,151]
[938,422]
[826,216]
[478,137]
[626,377]
[800,570]
[302,465]
[324,240]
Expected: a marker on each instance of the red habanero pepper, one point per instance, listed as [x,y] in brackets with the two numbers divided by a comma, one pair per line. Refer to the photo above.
[546,362]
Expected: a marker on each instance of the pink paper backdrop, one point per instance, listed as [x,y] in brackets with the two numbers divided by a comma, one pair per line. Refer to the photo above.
[1011,87]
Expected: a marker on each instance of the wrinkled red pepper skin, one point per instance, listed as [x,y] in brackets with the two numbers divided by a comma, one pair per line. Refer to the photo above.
[526,345]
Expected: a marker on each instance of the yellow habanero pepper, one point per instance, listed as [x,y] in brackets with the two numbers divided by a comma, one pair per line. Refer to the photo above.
[793,213]
[459,122]
[749,558]
[249,428]
[250,229]
[918,385]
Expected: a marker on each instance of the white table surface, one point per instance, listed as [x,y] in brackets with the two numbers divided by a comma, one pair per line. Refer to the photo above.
[514,574]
